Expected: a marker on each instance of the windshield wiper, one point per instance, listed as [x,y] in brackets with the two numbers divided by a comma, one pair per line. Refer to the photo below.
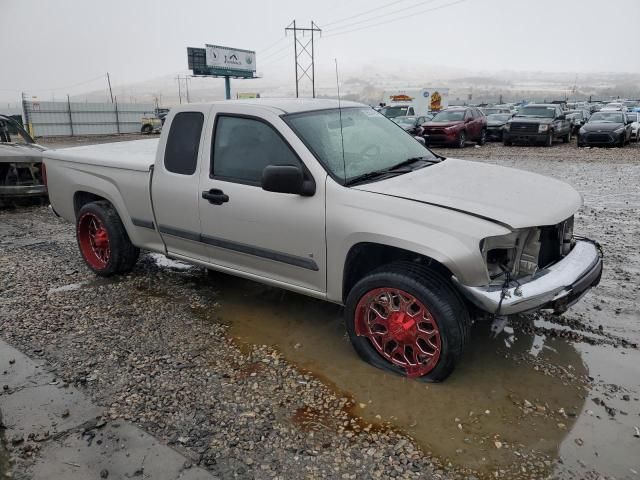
[395,169]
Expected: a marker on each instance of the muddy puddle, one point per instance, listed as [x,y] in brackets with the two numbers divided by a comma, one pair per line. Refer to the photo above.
[492,411]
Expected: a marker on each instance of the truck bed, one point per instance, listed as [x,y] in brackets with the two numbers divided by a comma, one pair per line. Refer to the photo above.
[136,155]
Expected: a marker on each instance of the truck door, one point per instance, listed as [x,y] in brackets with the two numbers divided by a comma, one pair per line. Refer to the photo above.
[263,235]
[174,188]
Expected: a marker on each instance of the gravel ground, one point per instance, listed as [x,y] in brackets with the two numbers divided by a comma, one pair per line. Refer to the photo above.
[151,347]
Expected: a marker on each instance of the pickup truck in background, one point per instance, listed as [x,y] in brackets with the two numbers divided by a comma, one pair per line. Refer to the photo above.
[538,124]
[338,203]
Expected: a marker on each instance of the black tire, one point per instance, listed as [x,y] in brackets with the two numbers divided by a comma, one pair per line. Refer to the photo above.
[483,137]
[507,143]
[622,141]
[548,142]
[123,254]
[567,138]
[437,295]
[462,139]
[146,129]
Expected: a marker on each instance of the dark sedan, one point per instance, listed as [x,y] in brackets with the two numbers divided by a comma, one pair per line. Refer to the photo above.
[605,128]
[412,125]
[496,125]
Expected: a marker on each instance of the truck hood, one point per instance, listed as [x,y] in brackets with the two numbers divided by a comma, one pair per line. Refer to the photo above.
[539,120]
[511,197]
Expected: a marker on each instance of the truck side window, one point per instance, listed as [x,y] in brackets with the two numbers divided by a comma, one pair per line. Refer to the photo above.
[243,147]
[183,142]
[410,112]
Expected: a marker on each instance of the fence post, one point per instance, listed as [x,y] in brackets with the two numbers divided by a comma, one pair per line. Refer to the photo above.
[70,117]
[117,117]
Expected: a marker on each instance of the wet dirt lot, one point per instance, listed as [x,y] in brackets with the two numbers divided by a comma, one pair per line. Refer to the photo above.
[546,396]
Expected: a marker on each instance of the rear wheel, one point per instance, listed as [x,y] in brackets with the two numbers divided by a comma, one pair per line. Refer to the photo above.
[147,129]
[462,139]
[408,320]
[103,240]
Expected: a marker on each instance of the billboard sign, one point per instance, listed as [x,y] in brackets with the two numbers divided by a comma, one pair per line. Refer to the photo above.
[230,58]
[218,61]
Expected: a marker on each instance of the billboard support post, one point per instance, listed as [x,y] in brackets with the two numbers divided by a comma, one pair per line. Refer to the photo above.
[227,88]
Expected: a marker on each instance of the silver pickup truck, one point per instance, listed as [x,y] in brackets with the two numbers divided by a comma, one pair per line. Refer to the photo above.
[339,204]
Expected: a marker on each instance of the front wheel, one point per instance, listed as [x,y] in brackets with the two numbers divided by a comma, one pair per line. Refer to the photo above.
[483,137]
[407,319]
[548,141]
[103,240]
[567,137]
[462,139]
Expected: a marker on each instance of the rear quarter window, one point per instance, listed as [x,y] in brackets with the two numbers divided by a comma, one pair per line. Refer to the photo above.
[183,143]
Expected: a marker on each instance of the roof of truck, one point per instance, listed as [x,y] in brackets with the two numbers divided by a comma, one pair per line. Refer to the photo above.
[287,105]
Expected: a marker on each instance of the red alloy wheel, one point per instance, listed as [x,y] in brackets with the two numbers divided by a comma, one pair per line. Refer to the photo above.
[94,241]
[401,329]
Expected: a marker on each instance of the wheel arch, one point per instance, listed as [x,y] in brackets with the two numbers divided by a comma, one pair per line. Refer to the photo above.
[364,257]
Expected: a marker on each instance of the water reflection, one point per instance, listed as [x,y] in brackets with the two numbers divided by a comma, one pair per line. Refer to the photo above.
[465,419]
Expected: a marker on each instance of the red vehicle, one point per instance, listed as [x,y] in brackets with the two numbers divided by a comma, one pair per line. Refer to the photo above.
[455,126]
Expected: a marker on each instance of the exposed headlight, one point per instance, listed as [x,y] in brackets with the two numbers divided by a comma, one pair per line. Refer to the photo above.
[516,253]
[543,128]
[619,130]
[582,131]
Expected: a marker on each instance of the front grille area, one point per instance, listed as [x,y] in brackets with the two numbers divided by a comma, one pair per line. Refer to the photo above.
[555,242]
[524,127]
[599,138]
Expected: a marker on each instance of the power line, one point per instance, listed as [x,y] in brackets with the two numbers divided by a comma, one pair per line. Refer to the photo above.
[272,45]
[272,54]
[412,14]
[277,59]
[386,14]
[362,13]
[101,77]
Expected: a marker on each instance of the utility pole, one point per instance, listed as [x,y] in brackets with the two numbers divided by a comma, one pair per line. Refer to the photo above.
[304,58]
[186,83]
[110,91]
[179,89]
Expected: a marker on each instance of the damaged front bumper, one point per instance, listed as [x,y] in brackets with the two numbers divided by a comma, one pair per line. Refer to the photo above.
[556,287]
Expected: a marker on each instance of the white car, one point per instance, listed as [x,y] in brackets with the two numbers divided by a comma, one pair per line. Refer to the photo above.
[634,117]
[614,107]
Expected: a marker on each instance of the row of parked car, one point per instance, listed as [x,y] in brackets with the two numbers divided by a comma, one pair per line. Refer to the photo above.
[614,124]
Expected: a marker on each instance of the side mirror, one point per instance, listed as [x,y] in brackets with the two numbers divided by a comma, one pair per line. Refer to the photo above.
[287,179]
[562,117]
[421,140]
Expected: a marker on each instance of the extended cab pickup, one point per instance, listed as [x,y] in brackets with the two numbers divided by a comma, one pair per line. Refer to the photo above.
[542,123]
[339,204]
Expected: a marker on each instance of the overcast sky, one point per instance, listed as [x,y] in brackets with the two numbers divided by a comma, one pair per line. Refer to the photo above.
[67,45]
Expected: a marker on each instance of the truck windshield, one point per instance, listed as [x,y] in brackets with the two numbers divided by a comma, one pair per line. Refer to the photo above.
[371,141]
[393,112]
[539,112]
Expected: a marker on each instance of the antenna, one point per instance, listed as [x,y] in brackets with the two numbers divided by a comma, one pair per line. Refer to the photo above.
[344,164]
